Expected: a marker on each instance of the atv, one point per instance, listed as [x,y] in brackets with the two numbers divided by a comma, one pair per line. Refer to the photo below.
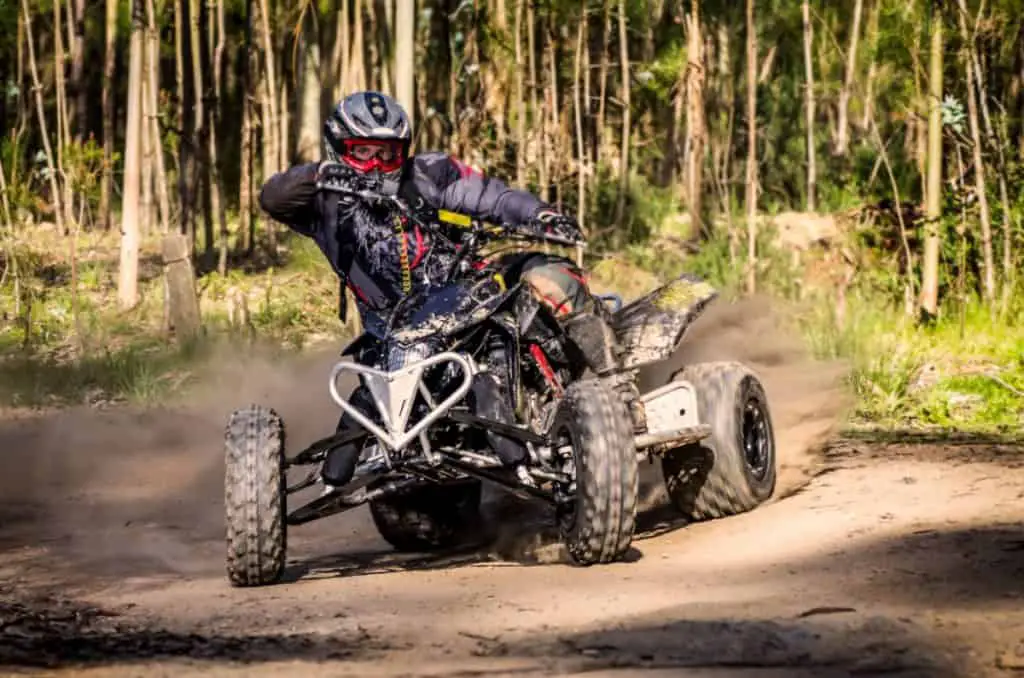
[425,453]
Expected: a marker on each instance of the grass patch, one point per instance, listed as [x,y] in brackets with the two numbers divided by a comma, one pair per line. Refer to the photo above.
[135,373]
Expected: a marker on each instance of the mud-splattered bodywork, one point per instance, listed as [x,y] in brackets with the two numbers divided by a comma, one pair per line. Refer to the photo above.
[651,328]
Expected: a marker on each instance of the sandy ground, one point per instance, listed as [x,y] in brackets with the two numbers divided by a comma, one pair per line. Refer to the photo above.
[874,558]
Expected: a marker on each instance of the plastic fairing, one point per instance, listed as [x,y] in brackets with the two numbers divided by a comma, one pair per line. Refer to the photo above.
[651,328]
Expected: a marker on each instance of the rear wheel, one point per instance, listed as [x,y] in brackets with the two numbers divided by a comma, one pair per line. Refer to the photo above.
[598,523]
[254,497]
[733,470]
[430,517]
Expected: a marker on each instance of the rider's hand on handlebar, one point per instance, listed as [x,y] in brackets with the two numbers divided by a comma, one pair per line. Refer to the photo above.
[341,175]
[550,222]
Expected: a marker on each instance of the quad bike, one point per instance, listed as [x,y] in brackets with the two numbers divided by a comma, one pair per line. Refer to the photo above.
[425,451]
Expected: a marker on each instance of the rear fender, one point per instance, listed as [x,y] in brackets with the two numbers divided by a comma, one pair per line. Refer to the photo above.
[651,328]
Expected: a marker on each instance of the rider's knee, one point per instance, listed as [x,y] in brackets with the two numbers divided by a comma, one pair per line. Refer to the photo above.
[560,286]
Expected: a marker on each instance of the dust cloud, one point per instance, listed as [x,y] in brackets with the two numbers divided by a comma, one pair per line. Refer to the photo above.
[139,491]
[807,397]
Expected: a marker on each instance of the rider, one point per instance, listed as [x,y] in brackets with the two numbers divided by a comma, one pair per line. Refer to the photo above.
[367,137]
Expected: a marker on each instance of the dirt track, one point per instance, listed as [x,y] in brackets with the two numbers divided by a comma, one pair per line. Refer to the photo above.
[894,559]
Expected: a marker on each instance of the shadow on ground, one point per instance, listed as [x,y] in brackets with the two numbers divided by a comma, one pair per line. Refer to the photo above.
[831,645]
[50,632]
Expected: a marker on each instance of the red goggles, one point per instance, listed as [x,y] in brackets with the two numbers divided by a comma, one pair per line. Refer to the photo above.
[366,155]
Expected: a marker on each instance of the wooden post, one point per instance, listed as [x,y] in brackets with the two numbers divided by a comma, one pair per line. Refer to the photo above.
[182,305]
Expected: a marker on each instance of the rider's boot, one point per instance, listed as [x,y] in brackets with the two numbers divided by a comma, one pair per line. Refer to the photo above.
[493,400]
[340,464]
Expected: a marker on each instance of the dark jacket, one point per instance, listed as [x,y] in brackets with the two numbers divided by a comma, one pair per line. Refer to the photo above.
[369,260]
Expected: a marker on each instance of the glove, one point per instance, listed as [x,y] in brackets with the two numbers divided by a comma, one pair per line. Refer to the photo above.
[550,222]
[331,171]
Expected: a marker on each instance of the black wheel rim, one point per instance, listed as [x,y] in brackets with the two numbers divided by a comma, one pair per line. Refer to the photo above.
[758,446]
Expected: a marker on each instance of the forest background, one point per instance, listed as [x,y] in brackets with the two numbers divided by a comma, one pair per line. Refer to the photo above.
[860,162]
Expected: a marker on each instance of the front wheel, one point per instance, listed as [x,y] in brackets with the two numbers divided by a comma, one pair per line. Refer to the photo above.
[597,526]
[732,470]
[254,496]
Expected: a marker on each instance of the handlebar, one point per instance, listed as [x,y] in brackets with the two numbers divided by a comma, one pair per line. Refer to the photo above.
[506,231]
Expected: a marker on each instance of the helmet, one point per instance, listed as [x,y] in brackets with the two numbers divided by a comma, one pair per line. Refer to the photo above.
[368,131]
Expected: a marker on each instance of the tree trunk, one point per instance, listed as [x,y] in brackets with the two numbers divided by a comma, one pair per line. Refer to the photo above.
[76,15]
[109,64]
[620,205]
[148,208]
[246,232]
[520,97]
[310,120]
[277,149]
[200,63]
[843,128]
[578,104]
[988,263]
[405,56]
[536,115]
[606,36]
[185,113]
[930,263]
[153,124]
[812,172]
[37,88]
[63,124]
[869,94]
[127,286]
[751,194]
[695,125]
[214,113]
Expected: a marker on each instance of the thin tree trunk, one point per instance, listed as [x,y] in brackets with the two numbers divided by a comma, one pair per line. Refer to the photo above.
[127,287]
[109,64]
[76,12]
[309,98]
[200,177]
[148,208]
[357,67]
[183,114]
[405,56]
[214,112]
[985,217]
[696,127]
[843,130]
[997,143]
[63,123]
[245,217]
[535,108]
[277,149]
[606,35]
[153,88]
[751,196]
[578,104]
[340,51]
[812,172]
[520,97]
[930,263]
[869,94]
[37,88]
[620,205]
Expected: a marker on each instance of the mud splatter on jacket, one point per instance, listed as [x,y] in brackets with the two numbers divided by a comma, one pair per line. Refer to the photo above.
[363,246]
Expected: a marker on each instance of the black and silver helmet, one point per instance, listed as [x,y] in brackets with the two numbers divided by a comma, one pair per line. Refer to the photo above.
[367,117]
